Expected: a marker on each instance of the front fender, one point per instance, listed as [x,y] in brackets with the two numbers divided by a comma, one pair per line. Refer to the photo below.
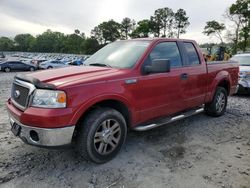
[91,102]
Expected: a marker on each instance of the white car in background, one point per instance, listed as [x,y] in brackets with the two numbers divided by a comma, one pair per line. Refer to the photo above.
[244,74]
[52,64]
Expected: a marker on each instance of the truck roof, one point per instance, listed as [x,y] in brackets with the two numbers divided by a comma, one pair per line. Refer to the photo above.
[163,39]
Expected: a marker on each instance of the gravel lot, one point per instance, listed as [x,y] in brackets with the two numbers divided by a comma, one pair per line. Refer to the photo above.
[200,151]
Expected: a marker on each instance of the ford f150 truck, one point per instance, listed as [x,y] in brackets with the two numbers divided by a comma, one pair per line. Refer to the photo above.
[135,84]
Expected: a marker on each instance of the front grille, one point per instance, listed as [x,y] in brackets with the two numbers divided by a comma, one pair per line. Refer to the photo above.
[20,93]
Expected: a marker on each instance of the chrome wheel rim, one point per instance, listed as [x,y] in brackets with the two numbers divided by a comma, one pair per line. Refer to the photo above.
[7,69]
[107,136]
[220,102]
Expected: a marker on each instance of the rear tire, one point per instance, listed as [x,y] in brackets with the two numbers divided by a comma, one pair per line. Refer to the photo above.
[219,103]
[7,69]
[49,67]
[101,135]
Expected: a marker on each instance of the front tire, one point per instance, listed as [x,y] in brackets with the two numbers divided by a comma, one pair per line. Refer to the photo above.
[219,103]
[101,135]
[32,69]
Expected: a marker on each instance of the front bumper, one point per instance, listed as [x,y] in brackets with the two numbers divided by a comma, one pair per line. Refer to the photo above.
[44,137]
[243,85]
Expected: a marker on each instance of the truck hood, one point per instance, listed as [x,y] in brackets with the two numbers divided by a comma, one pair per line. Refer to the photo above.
[82,74]
[244,68]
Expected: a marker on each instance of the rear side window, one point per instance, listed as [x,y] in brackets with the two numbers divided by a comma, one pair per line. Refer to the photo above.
[192,56]
[165,50]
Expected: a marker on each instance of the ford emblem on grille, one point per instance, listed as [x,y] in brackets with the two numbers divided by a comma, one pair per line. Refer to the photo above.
[16,94]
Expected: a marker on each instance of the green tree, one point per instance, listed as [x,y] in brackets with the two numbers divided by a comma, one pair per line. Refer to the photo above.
[127,26]
[90,46]
[72,43]
[233,33]
[107,31]
[214,28]
[162,20]
[6,44]
[241,9]
[96,33]
[143,29]
[180,22]
[77,32]
[24,42]
[50,41]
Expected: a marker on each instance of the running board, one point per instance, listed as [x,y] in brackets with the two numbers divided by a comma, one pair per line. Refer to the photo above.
[169,120]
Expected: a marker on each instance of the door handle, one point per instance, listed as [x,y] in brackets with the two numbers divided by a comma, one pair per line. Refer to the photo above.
[184,76]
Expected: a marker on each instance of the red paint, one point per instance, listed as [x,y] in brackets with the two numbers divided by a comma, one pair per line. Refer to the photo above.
[153,95]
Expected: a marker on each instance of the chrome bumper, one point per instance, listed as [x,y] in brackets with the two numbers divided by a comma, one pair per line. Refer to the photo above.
[43,136]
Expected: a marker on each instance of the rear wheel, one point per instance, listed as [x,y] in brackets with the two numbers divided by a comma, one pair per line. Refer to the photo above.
[219,103]
[101,135]
[32,69]
[49,67]
[7,69]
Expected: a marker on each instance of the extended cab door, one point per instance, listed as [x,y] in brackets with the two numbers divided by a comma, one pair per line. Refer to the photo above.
[194,77]
[159,94]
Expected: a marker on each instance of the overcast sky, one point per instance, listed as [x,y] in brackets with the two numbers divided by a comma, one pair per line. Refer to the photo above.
[36,16]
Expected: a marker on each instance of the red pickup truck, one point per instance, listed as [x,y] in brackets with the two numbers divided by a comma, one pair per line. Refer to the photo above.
[134,84]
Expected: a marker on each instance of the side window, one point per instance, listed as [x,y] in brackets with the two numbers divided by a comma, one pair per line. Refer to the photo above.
[165,50]
[193,58]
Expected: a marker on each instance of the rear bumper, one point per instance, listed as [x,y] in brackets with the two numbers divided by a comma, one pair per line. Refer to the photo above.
[44,137]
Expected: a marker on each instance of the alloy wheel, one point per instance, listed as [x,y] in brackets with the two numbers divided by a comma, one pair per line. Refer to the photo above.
[220,102]
[107,136]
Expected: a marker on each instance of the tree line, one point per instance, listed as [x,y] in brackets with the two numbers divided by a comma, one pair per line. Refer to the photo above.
[163,23]
[238,32]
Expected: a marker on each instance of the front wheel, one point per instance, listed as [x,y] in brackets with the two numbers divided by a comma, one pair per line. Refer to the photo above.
[219,103]
[101,135]
[32,69]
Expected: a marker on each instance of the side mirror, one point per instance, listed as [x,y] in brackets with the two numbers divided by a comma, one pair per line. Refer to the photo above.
[158,66]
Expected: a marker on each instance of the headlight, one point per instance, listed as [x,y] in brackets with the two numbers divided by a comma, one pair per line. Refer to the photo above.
[49,99]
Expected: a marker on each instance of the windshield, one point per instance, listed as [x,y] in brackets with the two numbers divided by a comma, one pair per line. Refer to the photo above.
[243,60]
[120,54]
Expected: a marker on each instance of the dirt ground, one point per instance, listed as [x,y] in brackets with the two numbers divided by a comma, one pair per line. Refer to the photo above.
[198,152]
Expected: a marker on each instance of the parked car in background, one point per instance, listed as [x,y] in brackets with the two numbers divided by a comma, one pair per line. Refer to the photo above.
[16,66]
[76,62]
[52,64]
[37,62]
[244,75]
[2,55]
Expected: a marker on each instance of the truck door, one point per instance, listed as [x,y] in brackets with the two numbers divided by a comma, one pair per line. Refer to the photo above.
[194,77]
[159,94]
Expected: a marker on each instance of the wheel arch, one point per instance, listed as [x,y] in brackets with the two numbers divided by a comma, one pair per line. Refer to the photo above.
[118,104]
[225,84]
[222,79]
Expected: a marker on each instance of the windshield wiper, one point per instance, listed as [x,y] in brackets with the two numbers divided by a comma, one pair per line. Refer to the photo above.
[100,64]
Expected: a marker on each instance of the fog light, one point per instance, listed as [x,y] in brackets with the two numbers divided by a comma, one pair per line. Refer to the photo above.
[34,136]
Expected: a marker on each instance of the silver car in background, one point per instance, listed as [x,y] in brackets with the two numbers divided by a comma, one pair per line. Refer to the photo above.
[244,75]
[52,64]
